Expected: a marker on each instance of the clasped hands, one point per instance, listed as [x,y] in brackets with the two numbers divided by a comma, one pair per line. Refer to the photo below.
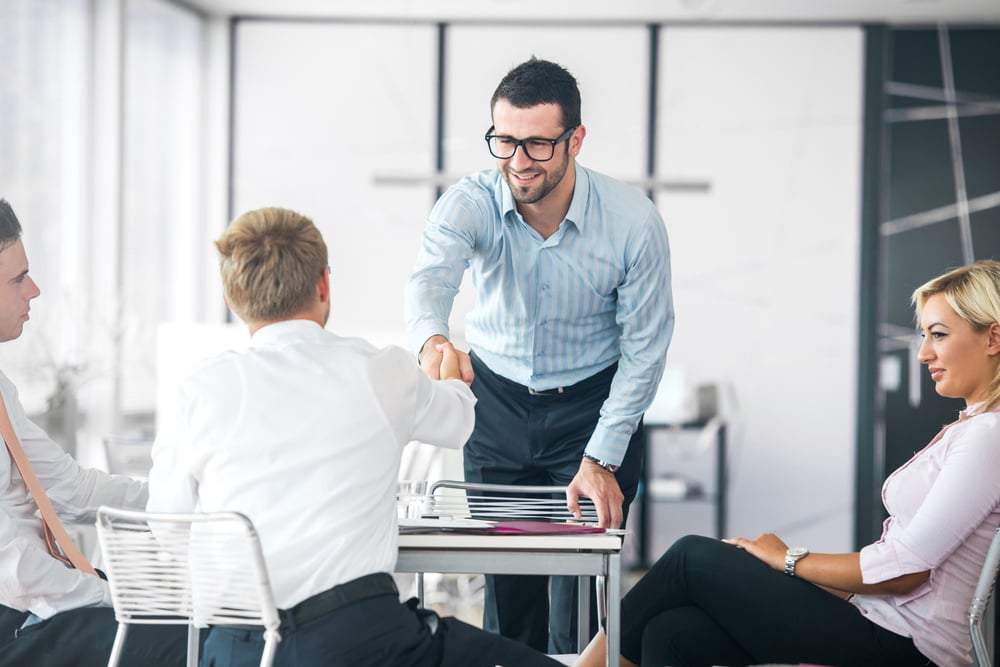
[440,360]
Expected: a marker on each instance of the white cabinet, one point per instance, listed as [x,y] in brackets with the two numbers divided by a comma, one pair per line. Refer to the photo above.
[682,488]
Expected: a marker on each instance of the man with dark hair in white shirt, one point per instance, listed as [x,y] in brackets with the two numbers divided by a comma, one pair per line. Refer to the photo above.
[52,615]
[303,433]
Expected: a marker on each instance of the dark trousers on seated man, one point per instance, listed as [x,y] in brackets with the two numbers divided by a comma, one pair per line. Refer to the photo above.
[538,440]
[363,624]
[83,638]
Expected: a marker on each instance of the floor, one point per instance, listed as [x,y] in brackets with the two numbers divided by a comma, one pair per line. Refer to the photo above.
[462,595]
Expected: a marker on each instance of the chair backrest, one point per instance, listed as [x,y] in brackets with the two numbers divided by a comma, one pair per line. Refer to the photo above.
[196,569]
[981,601]
[451,498]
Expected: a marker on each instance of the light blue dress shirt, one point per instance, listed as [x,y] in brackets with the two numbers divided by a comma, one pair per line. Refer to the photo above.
[552,312]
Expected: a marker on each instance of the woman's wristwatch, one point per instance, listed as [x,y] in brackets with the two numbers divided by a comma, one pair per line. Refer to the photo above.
[793,556]
[610,467]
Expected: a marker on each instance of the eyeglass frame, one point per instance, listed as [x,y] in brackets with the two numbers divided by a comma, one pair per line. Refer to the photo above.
[520,143]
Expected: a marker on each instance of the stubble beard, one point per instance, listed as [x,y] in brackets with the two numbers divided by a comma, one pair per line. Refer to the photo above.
[532,194]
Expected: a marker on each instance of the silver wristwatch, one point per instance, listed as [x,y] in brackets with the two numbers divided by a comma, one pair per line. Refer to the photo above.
[793,556]
[610,467]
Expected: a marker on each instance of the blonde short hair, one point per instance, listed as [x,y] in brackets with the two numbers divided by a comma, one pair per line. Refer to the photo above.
[270,260]
[973,292]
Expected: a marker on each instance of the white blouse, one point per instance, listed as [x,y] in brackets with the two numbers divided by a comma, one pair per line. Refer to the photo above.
[944,506]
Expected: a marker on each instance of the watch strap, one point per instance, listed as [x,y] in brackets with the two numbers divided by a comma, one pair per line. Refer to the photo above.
[610,467]
[792,557]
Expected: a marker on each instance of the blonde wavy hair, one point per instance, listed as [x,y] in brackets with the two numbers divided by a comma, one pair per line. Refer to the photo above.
[973,292]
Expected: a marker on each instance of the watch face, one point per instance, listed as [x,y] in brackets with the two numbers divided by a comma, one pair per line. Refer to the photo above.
[797,552]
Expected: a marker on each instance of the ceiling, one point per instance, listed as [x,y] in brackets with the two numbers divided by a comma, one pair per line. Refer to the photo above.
[602,11]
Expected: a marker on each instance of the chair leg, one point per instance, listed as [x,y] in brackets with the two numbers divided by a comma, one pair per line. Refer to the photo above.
[601,590]
[194,646]
[116,647]
[270,648]
[582,612]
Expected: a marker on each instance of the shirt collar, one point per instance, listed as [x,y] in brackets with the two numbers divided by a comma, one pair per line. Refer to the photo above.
[577,207]
[276,331]
[581,193]
[974,409]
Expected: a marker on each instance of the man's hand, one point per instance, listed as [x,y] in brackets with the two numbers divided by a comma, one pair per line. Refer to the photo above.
[596,483]
[432,356]
[449,369]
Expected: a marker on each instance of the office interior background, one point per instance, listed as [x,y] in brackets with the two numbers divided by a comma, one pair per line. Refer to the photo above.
[814,162]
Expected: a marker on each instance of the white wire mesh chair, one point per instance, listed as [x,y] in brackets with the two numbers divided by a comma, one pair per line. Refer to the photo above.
[196,569]
[503,502]
[981,602]
[452,499]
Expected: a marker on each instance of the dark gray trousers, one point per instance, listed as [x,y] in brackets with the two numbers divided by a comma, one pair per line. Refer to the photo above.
[526,439]
[376,632]
[705,602]
[83,638]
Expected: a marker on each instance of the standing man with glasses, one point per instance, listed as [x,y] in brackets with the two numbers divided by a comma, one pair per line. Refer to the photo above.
[570,330]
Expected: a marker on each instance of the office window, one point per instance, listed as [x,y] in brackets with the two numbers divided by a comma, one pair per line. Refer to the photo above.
[44,103]
[161,279]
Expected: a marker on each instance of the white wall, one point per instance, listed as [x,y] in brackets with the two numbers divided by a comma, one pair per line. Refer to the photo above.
[319,110]
[765,264]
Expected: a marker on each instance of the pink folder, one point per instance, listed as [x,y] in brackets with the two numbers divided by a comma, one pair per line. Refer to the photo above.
[541,528]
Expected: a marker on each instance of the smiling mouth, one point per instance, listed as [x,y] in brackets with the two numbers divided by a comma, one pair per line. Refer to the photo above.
[524,178]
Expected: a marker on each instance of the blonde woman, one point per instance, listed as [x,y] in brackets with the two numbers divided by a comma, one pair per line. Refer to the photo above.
[899,601]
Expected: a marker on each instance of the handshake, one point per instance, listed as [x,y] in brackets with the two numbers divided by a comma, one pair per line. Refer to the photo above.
[441,361]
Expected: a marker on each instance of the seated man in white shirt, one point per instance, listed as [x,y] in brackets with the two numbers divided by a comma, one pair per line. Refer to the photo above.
[303,433]
[52,615]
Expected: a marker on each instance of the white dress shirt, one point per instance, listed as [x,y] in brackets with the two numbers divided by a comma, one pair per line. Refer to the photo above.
[944,506]
[30,578]
[303,433]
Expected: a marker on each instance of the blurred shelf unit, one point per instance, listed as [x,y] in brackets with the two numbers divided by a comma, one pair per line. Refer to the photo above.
[683,485]
[129,454]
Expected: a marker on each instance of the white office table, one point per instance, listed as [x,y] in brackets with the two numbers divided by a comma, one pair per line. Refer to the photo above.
[582,555]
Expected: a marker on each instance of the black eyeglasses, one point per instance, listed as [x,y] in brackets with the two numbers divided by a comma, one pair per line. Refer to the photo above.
[536,148]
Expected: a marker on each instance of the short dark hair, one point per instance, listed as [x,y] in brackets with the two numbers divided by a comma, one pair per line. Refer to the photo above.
[535,82]
[10,228]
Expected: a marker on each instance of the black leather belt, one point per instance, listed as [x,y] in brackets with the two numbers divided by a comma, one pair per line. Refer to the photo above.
[356,590]
[600,378]
[547,392]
